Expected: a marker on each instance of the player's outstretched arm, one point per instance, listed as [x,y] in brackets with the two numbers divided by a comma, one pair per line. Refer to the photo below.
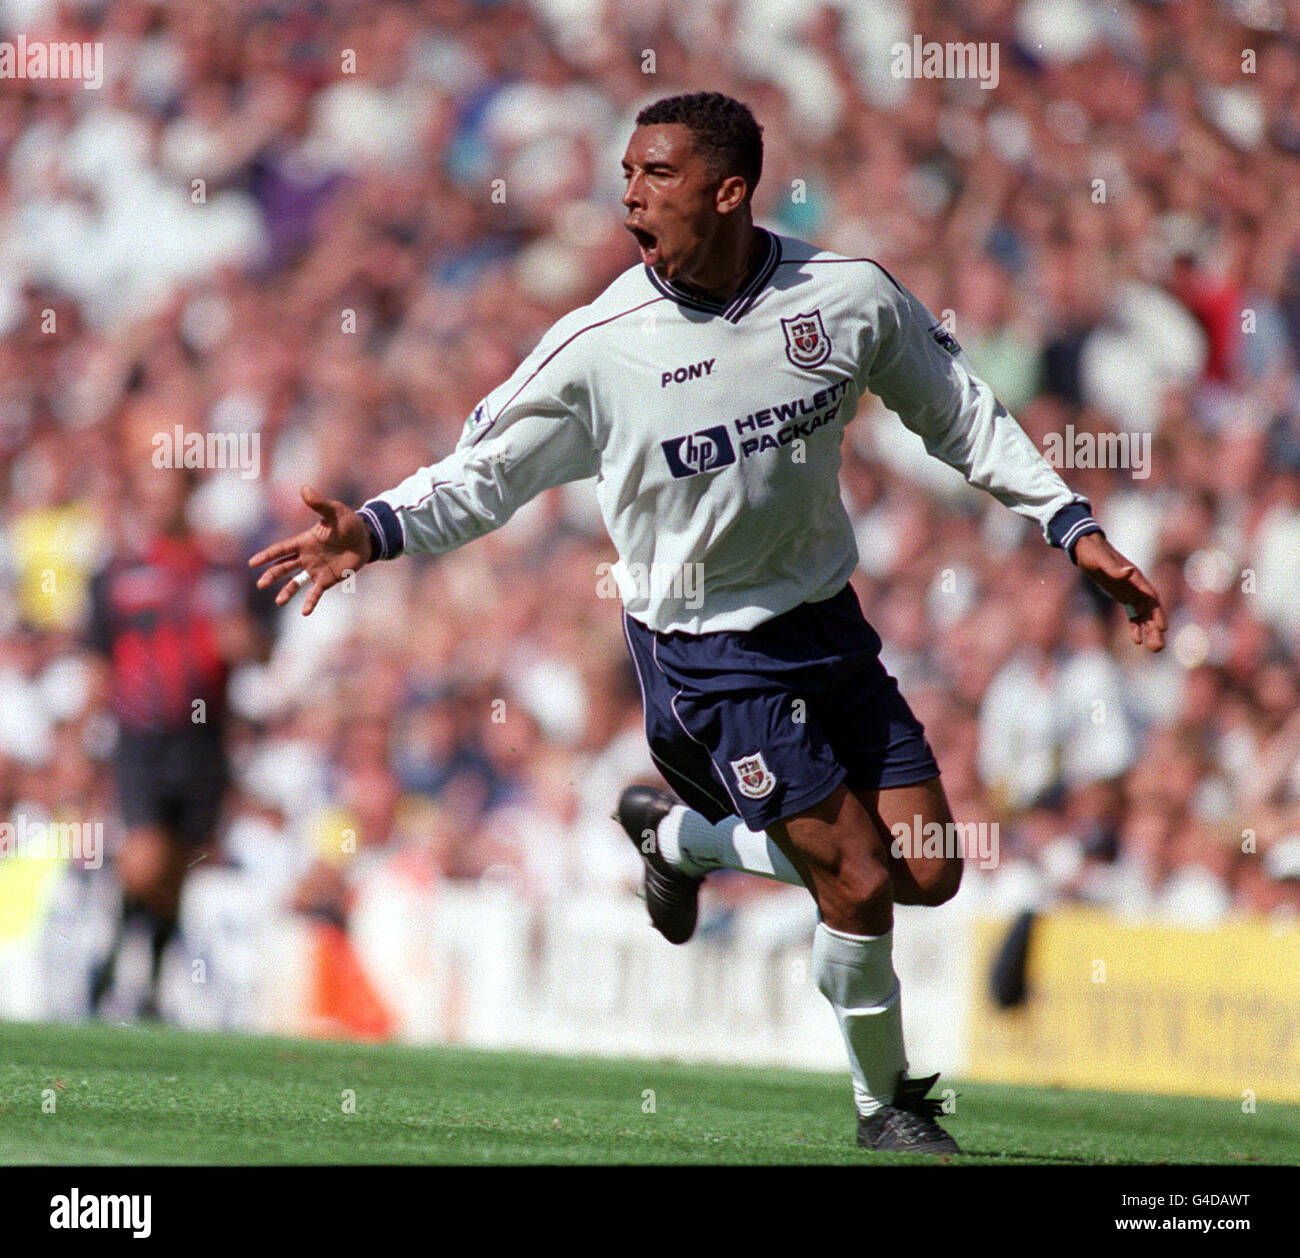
[921,374]
[1123,581]
[337,544]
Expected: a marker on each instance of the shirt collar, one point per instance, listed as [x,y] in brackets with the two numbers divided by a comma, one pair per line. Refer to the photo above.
[736,305]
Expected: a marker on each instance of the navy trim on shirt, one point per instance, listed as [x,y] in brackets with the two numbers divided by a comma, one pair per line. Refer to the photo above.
[385,529]
[736,305]
[1071,522]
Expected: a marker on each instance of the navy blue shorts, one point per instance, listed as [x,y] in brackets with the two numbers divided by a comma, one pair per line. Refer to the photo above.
[766,723]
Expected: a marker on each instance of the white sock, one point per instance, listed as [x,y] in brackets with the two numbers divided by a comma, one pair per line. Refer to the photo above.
[695,846]
[856,974]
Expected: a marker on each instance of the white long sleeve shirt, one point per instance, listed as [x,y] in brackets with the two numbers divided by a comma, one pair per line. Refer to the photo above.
[713,430]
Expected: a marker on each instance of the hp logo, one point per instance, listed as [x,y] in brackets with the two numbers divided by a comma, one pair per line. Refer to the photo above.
[704,451]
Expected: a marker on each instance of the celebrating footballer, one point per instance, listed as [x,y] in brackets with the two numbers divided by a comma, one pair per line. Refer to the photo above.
[707,391]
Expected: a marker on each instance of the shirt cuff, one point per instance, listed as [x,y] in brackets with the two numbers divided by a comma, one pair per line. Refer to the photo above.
[385,529]
[1070,523]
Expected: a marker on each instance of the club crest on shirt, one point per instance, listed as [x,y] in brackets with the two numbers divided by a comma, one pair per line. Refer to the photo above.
[806,342]
[753,776]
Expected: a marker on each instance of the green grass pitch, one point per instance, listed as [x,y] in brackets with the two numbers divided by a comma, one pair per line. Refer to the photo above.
[126,1095]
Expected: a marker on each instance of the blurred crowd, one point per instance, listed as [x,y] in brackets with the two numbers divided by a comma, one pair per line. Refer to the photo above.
[335,225]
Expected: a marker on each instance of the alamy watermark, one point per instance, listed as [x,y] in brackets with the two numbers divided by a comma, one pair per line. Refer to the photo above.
[30,839]
[124,1212]
[37,59]
[644,582]
[1075,449]
[927,59]
[239,451]
[938,840]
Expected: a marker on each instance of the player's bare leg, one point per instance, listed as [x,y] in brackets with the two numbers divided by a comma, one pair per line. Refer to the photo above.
[696,847]
[843,861]
[151,867]
[842,854]
[917,878]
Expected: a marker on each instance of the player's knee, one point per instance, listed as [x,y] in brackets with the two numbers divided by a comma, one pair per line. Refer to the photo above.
[859,896]
[142,862]
[942,883]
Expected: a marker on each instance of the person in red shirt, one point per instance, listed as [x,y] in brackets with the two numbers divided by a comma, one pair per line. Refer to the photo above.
[169,620]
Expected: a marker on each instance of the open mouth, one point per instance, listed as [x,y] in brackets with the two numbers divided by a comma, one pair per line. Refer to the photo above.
[647,243]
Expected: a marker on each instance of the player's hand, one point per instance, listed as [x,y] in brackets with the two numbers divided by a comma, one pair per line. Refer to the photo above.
[1124,582]
[336,545]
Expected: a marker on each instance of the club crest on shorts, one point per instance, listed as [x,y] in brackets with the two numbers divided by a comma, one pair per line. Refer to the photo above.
[753,776]
[806,342]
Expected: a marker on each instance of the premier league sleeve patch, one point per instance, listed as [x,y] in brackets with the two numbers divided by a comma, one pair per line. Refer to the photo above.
[946,339]
[753,777]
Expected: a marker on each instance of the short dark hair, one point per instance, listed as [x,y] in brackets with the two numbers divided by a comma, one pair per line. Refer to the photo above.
[726,133]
